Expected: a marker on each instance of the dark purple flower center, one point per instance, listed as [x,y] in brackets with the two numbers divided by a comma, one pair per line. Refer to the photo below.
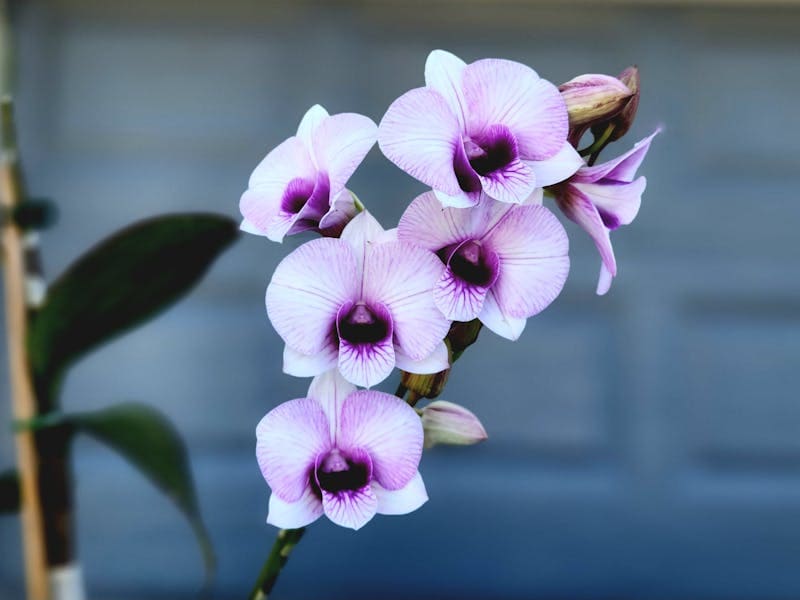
[471,262]
[338,473]
[361,325]
[296,195]
[493,150]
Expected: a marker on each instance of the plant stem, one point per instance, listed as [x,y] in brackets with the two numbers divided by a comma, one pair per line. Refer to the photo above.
[23,397]
[287,539]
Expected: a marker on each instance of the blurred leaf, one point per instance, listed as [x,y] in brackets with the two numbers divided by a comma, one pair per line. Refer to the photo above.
[9,492]
[146,438]
[121,282]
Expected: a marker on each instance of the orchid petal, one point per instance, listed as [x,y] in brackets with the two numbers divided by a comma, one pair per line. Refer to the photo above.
[504,92]
[306,291]
[310,123]
[388,429]
[351,509]
[342,211]
[556,168]
[443,73]
[427,224]
[436,361]
[403,501]
[340,144]
[617,203]
[532,246]
[577,207]
[461,300]
[512,184]
[366,364]
[622,168]
[419,133]
[361,233]
[302,365]
[330,389]
[293,515]
[494,319]
[460,200]
[604,281]
[401,276]
[289,438]
[248,227]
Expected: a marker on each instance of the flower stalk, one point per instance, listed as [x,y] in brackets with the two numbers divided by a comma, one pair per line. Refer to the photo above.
[285,542]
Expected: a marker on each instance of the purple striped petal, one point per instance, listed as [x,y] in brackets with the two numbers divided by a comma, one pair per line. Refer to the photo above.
[419,133]
[556,168]
[330,389]
[366,347]
[307,290]
[471,270]
[351,509]
[443,73]
[361,233]
[403,501]
[503,92]
[292,515]
[532,246]
[502,324]
[622,168]
[388,429]
[340,144]
[289,439]
[401,276]
[427,224]
[617,203]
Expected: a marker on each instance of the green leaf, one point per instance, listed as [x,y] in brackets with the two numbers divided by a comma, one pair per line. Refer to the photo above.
[121,282]
[146,438]
[9,492]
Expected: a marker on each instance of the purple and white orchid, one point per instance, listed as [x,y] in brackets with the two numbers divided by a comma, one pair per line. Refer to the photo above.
[602,197]
[340,452]
[362,303]
[504,263]
[300,185]
[493,126]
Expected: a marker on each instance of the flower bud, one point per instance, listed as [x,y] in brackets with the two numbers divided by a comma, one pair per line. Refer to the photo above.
[451,424]
[624,119]
[425,386]
[591,99]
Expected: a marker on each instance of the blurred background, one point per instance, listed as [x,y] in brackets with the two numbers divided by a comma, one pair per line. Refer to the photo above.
[645,444]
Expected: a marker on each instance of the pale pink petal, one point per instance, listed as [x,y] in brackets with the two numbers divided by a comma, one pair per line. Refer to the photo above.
[302,365]
[248,227]
[293,515]
[419,133]
[536,197]
[352,509]
[617,203]
[306,291]
[289,439]
[512,184]
[557,168]
[503,325]
[401,276]
[366,364]
[504,92]
[309,123]
[403,501]
[532,246]
[340,144]
[579,208]
[459,200]
[604,281]
[362,233]
[388,429]
[443,73]
[342,211]
[427,224]
[330,389]
[621,168]
[438,360]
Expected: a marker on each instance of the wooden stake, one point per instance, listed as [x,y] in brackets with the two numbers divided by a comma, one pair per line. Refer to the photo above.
[22,394]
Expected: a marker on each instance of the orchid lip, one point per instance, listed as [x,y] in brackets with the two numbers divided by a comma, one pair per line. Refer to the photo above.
[297,193]
[472,262]
[357,323]
[492,150]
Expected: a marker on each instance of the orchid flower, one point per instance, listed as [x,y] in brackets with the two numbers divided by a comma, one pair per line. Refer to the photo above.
[492,126]
[504,263]
[603,197]
[340,452]
[300,185]
[362,303]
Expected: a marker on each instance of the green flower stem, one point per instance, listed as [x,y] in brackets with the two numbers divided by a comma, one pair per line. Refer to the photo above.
[287,539]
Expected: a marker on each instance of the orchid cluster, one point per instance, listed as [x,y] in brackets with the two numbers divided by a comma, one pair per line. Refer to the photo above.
[491,139]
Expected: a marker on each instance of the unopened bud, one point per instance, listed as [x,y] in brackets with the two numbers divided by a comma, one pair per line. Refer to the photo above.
[624,119]
[450,424]
[591,99]
[425,386]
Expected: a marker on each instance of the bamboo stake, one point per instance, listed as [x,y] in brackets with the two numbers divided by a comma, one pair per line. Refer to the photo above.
[22,394]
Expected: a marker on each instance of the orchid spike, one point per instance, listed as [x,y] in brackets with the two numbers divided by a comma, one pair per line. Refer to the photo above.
[503,263]
[493,126]
[603,197]
[362,303]
[340,452]
[300,185]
